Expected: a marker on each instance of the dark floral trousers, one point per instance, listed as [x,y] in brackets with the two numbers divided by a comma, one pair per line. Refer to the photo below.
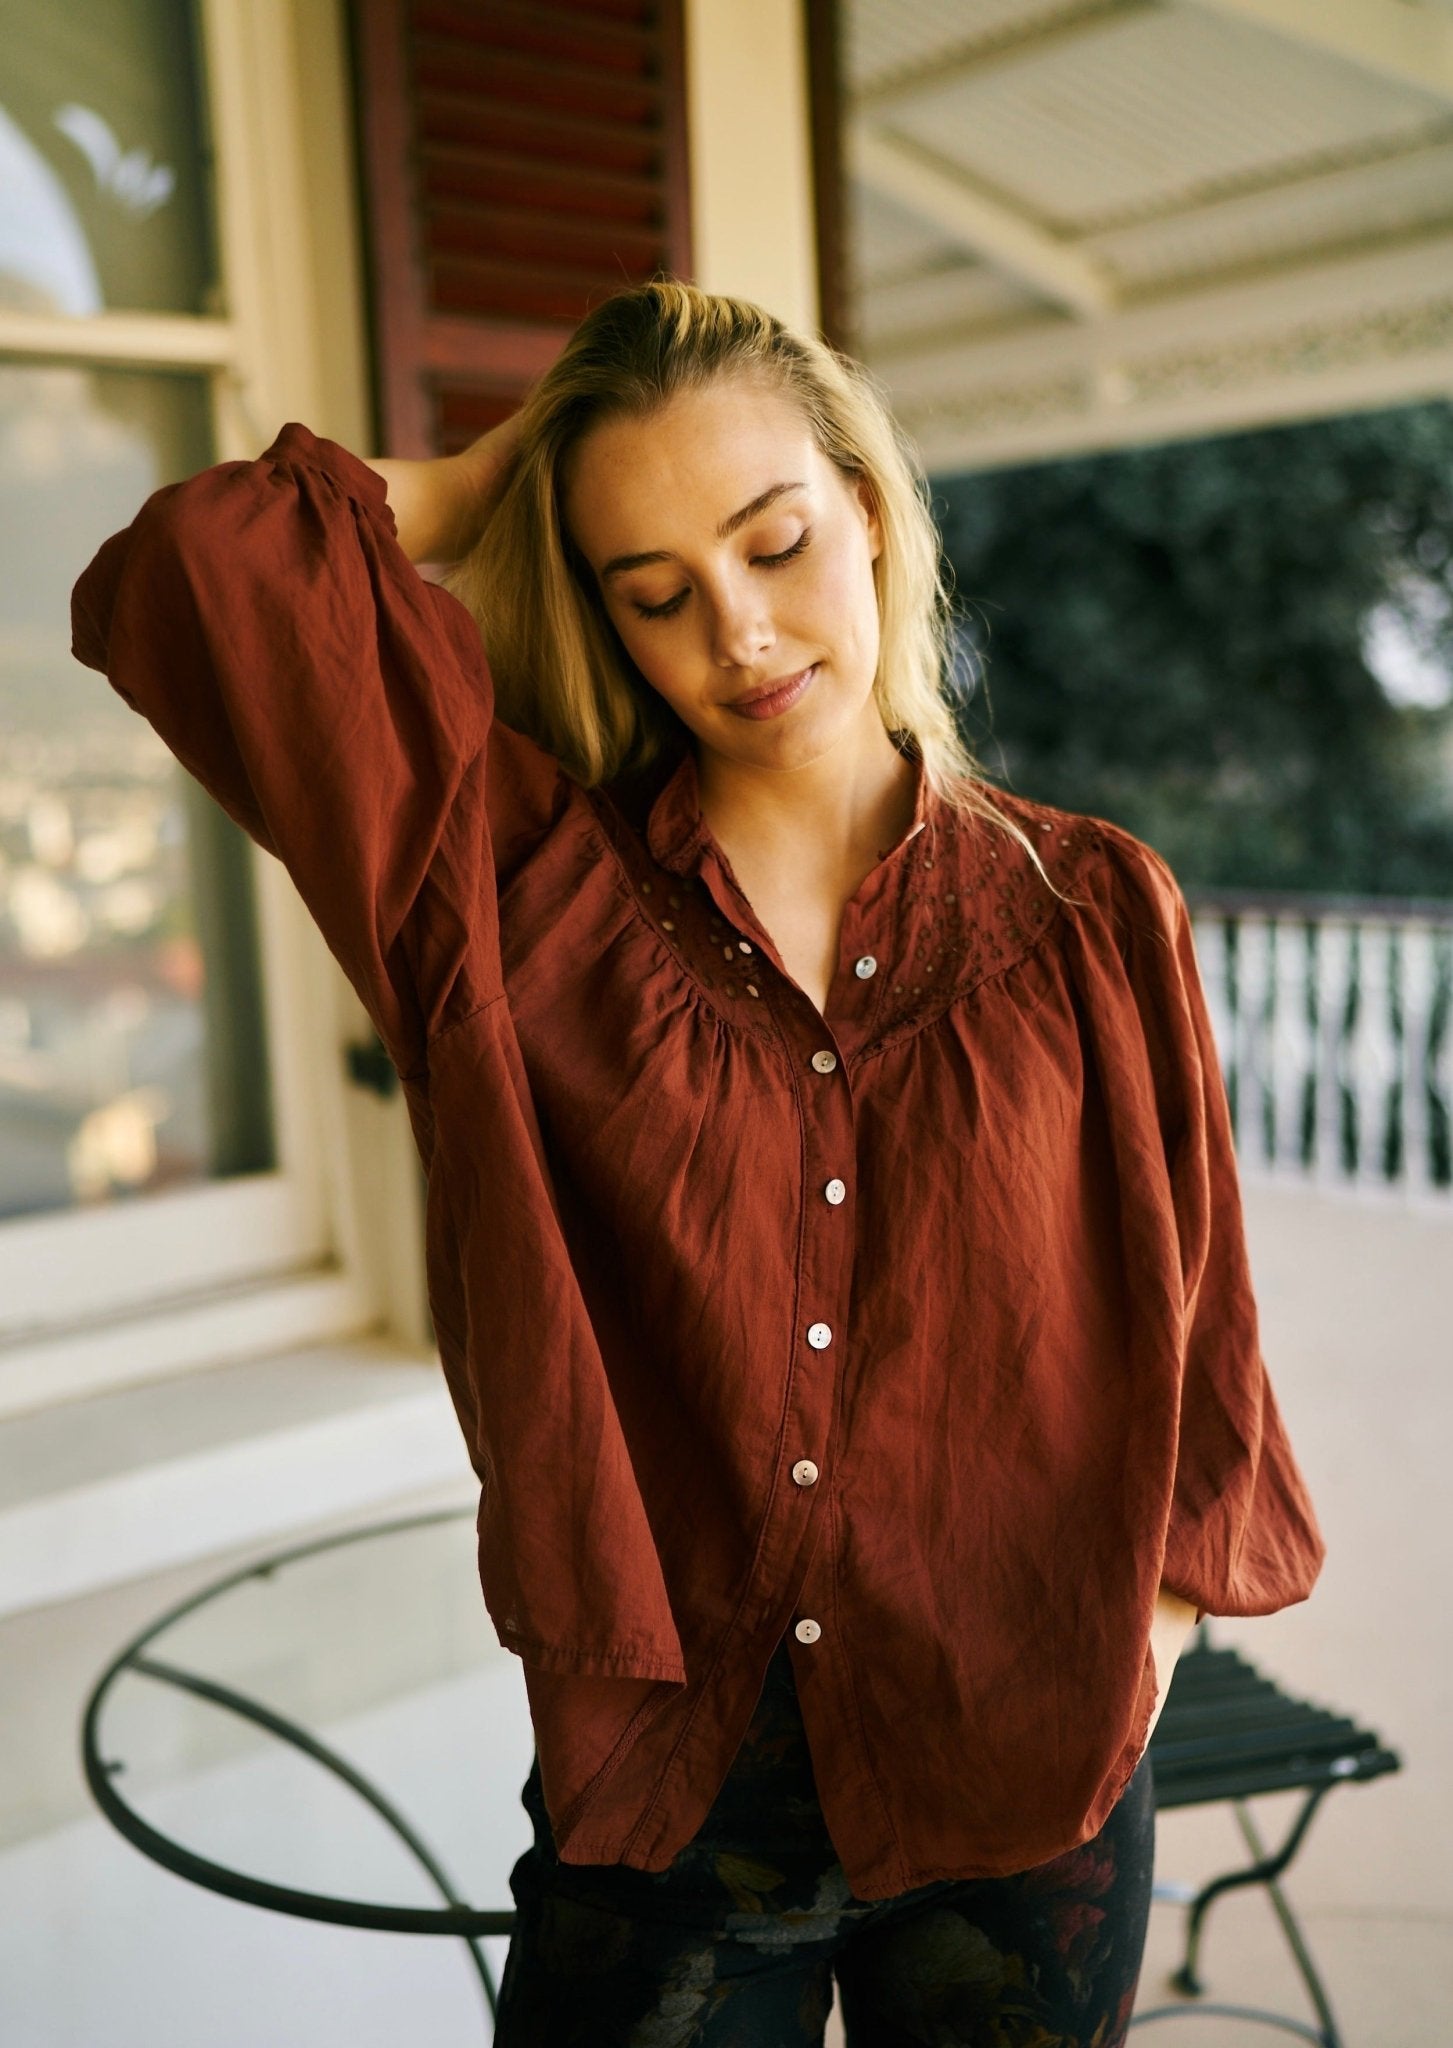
[736,1945]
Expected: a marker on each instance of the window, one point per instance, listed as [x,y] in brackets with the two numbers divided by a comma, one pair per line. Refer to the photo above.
[169,1091]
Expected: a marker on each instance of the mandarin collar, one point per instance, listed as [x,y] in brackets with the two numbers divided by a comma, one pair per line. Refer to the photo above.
[678,835]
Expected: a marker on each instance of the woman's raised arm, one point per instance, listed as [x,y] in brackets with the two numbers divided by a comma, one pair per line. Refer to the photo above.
[264,617]
[440,505]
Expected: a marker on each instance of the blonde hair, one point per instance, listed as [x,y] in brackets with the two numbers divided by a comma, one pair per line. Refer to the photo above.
[560,672]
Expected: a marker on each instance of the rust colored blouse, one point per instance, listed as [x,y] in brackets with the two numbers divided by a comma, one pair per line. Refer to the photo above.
[920,1330]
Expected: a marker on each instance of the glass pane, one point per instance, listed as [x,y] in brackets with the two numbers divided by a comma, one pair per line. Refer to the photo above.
[131,1048]
[104,170]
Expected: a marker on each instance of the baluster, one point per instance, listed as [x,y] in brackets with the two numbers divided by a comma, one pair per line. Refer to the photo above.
[1334,986]
[1292,1048]
[1255,994]
[1374,1050]
[1212,933]
[1440,1045]
[1419,980]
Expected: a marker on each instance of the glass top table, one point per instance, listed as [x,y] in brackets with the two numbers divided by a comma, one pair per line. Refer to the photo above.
[331,1731]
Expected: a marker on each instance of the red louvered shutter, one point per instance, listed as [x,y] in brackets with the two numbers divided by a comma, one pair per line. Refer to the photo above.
[520,162]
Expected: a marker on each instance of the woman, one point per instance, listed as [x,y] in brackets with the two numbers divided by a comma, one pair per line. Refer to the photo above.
[834,1243]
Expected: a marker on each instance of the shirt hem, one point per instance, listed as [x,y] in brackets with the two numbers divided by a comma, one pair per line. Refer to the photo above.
[571,1662]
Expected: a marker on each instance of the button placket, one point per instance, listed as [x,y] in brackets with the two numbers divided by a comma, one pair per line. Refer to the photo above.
[869,942]
[823,1288]
[819,1334]
[737,952]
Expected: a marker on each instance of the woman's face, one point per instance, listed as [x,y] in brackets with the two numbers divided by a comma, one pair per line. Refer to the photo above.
[734,558]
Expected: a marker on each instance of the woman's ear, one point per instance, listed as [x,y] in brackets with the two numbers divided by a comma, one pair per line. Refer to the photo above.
[867,499]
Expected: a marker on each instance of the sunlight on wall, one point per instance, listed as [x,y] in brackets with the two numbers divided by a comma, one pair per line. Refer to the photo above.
[751,161]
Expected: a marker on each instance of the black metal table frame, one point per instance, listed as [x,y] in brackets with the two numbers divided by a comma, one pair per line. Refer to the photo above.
[455,1917]
[470,1923]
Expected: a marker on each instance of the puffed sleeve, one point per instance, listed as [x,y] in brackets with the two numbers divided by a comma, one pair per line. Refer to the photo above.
[265,621]
[1242,1536]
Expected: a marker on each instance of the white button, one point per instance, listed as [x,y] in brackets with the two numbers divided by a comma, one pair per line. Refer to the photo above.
[805,1472]
[819,1336]
[836,1191]
[866,966]
[824,1061]
[807,1631]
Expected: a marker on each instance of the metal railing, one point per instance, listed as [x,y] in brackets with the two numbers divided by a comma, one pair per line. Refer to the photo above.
[1332,1020]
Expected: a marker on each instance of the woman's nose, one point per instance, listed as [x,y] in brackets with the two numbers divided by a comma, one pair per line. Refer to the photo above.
[741,629]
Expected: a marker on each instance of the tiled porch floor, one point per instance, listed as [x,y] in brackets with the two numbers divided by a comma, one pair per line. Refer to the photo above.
[100,1949]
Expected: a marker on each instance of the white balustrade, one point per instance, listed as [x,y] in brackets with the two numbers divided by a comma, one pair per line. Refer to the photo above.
[1255,997]
[1293,1043]
[1418,980]
[1334,1028]
[1212,936]
[1335,1081]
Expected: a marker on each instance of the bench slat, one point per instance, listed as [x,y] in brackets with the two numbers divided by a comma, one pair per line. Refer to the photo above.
[1228,1732]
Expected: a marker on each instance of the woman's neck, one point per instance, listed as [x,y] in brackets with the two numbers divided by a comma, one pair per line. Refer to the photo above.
[838,813]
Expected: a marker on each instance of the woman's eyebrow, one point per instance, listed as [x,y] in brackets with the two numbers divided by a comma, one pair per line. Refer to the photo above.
[619,564]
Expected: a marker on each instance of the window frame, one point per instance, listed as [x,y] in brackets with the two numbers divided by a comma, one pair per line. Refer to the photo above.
[329,1242]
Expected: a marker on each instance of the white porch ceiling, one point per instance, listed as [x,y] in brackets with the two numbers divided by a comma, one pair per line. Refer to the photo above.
[1080,223]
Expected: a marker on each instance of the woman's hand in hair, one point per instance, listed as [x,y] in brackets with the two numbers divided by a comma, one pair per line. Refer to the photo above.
[441,505]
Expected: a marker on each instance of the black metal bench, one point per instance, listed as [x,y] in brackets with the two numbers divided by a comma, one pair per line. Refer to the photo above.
[1228,1732]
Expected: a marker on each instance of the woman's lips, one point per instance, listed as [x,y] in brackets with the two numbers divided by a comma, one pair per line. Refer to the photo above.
[777,700]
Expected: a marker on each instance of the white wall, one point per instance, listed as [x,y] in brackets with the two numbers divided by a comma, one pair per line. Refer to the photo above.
[751,156]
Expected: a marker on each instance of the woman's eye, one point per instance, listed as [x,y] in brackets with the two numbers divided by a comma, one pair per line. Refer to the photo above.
[775,561]
[672,605]
[661,611]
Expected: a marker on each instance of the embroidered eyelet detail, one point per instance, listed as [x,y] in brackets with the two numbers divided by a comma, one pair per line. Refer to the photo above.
[996,911]
[967,904]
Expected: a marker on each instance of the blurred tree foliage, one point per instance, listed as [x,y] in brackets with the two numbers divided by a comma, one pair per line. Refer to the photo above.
[1178,638]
